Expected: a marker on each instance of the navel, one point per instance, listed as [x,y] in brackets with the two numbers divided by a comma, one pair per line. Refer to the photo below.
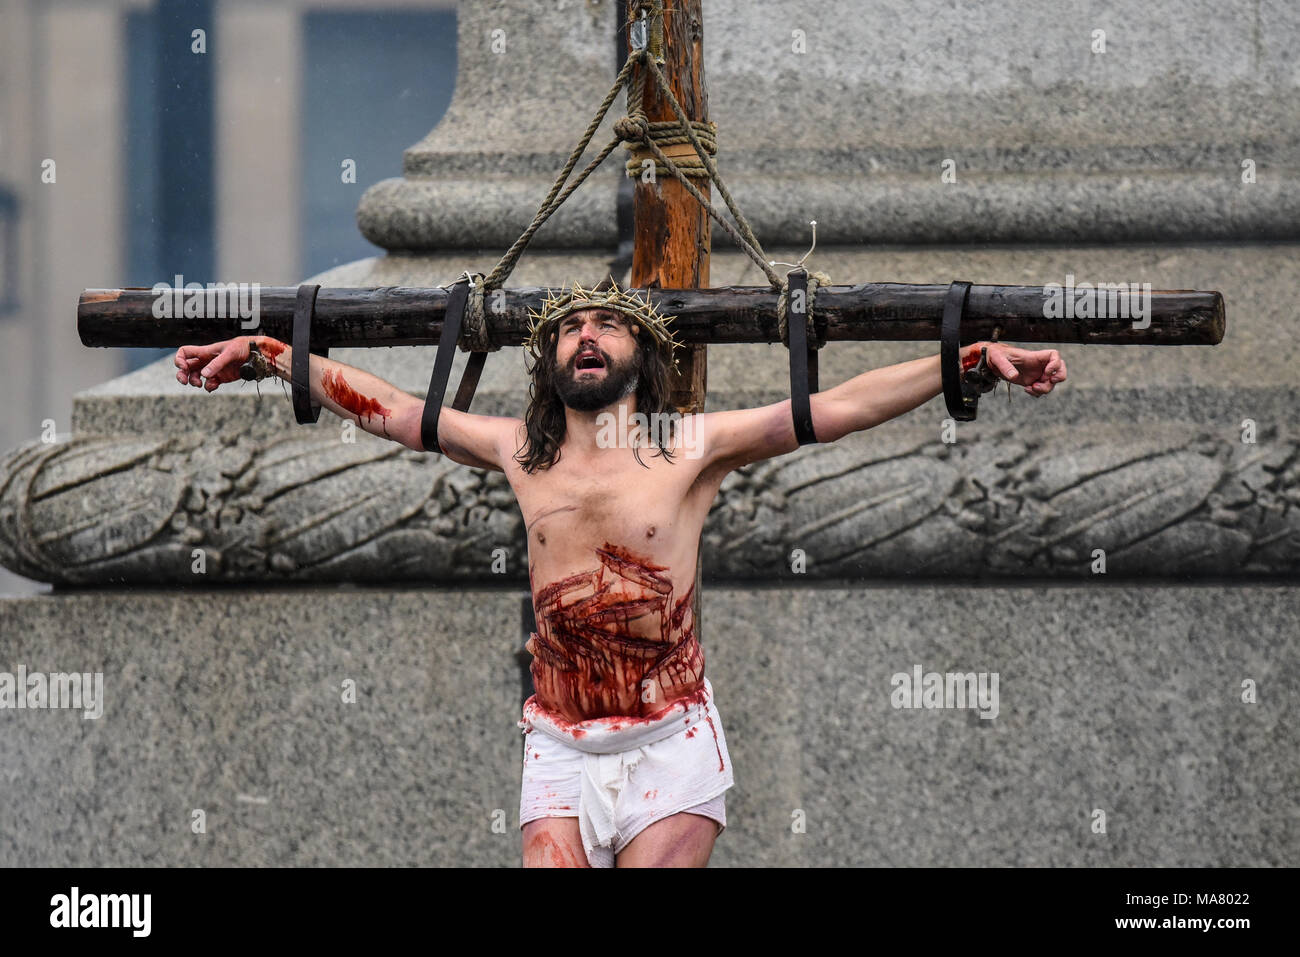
[650,532]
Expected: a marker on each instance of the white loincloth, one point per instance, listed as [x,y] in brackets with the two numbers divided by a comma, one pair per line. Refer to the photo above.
[620,775]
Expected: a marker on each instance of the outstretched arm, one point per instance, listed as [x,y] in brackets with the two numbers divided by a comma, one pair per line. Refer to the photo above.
[379,407]
[735,438]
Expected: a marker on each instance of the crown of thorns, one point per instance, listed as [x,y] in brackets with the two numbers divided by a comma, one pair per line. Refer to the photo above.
[641,312]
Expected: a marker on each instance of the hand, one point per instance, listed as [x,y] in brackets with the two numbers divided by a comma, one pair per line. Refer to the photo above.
[216,362]
[1037,371]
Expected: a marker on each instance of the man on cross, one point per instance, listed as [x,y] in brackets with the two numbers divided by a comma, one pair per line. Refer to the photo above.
[625,761]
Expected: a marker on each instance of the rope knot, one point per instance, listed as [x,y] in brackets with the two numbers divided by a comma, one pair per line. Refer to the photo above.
[634,129]
[474,335]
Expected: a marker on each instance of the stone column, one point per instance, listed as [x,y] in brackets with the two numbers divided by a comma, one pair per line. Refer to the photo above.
[258,93]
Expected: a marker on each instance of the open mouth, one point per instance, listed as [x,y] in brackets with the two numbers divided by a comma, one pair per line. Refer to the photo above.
[588,360]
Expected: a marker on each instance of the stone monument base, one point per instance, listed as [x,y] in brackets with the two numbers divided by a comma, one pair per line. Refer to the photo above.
[232,702]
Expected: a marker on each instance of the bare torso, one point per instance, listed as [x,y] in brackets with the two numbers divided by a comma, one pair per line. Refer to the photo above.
[612,549]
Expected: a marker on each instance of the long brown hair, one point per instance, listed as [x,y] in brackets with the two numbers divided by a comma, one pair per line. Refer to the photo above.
[544,419]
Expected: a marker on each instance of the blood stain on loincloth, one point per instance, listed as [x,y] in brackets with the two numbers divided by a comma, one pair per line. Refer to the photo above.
[721,765]
[577,729]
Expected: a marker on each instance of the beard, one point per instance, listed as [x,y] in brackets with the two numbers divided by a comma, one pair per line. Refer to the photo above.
[620,380]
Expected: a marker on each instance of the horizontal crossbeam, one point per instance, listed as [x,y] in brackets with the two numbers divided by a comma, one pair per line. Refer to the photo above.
[347,317]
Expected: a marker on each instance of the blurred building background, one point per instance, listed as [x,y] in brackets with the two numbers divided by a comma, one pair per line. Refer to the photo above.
[217,166]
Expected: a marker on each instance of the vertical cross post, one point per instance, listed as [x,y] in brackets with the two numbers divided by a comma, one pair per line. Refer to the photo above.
[671,229]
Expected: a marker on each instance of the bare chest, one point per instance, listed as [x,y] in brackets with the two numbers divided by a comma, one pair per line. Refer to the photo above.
[576,507]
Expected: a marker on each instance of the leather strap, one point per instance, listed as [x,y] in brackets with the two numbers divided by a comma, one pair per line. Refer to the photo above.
[803,360]
[469,381]
[304,308]
[961,406]
[457,299]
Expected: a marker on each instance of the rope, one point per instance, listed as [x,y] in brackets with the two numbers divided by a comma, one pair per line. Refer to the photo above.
[639,136]
[750,245]
[754,254]
[474,335]
[714,175]
[551,203]
[815,279]
[667,133]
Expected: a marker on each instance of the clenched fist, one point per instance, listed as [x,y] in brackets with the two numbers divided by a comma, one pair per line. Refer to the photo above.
[217,362]
[1038,372]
